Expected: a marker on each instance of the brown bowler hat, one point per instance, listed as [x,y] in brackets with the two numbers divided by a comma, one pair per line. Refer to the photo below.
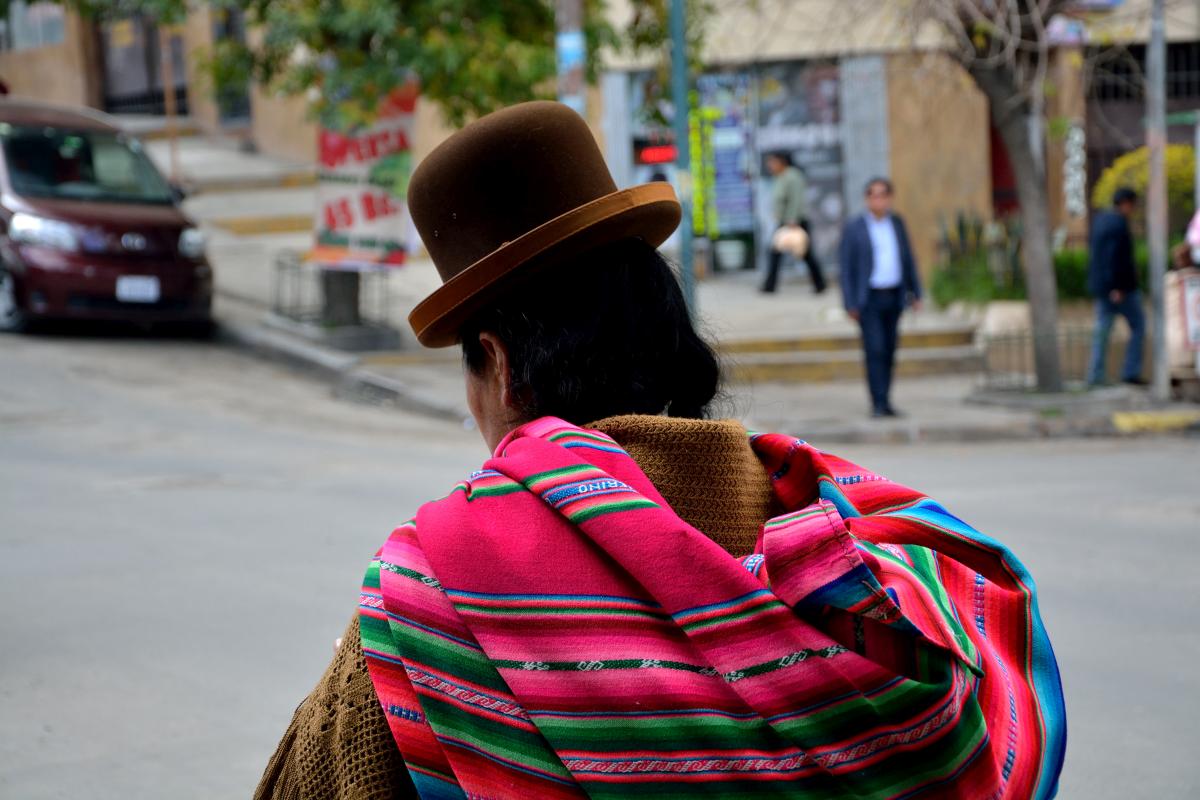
[515,192]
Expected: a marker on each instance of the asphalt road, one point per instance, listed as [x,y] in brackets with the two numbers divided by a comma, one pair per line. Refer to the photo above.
[183,529]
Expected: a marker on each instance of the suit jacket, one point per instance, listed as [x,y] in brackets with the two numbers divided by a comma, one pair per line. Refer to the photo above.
[857,259]
[1111,249]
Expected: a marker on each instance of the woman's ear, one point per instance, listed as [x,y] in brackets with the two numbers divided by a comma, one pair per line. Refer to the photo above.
[499,369]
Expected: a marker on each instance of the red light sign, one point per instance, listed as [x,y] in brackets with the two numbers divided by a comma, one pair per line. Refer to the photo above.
[657,154]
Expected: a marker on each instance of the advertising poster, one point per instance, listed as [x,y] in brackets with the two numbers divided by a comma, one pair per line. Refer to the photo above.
[362,181]
[798,112]
[724,182]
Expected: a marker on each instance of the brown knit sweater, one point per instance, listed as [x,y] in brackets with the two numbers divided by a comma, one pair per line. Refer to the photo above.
[338,745]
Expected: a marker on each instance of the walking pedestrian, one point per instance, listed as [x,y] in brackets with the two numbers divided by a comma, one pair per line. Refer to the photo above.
[790,203]
[879,280]
[1113,281]
[630,599]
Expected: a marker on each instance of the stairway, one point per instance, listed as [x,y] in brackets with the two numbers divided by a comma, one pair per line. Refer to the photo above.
[838,356]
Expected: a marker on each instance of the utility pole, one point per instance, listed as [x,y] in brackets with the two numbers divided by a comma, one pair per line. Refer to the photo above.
[1156,200]
[680,91]
[571,51]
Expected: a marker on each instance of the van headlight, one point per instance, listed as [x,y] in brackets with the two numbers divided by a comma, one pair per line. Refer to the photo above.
[191,243]
[28,229]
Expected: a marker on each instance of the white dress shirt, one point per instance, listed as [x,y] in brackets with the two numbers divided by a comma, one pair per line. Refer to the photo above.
[885,251]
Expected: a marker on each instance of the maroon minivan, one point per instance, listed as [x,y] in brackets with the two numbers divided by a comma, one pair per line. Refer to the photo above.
[89,228]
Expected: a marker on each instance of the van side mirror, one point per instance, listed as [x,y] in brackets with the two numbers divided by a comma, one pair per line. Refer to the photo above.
[178,192]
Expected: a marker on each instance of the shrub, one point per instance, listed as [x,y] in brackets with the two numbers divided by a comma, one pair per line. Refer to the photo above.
[969,278]
[1133,170]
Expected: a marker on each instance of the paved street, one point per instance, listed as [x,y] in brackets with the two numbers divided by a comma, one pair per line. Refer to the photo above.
[182,530]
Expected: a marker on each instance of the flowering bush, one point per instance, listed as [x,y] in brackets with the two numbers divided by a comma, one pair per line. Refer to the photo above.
[1133,170]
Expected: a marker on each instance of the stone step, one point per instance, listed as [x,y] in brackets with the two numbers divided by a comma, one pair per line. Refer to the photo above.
[957,336]
[844,364]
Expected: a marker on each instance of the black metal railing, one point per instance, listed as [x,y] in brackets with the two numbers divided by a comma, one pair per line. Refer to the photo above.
[1008,359]
[296,293]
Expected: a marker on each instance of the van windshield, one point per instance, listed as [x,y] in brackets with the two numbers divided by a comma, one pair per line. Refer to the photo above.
[80,165]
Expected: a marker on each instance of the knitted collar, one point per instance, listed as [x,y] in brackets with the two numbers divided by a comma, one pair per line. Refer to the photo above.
[705,469]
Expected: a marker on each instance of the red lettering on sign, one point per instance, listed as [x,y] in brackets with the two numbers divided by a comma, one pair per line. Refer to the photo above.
[377,205]
[338,215]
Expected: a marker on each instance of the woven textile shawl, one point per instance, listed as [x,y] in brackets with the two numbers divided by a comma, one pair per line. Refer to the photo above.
[553,629]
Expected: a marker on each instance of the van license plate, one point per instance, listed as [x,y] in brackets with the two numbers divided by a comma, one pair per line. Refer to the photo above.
[137,289]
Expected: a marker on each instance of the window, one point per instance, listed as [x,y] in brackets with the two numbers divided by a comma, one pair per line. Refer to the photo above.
[1120,74]
[31,25]
[96,166]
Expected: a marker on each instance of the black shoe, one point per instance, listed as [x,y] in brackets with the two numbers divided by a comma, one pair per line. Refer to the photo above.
[1135,381]
[881,412]
[891,412]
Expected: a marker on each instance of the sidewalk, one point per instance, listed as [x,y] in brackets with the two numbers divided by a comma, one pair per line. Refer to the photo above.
[253,208]
[214,164]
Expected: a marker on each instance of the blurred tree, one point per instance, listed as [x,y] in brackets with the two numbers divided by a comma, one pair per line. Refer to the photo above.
[470,56]
[1005,47]
[1133,170]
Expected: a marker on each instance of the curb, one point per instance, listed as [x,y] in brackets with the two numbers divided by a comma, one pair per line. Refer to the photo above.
[214,185]
[364,385]
[349,378]
[278,346]
[1134,422]
[255,225]
[353,378]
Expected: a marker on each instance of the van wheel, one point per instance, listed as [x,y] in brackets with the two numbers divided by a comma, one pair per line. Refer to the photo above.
[13,318]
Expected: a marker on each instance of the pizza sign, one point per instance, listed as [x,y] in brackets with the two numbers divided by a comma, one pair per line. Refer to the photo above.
[361,217]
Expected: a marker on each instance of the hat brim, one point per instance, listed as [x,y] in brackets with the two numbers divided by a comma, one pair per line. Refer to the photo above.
[649,212]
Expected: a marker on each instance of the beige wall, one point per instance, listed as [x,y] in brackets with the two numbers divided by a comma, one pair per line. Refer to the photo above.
[768,30]
[940,152]
[68,73]
[280,126]
[1130,22]
[780,30]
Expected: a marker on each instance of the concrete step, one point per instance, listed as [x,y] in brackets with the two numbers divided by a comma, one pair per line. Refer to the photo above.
[956,336]
[844,364]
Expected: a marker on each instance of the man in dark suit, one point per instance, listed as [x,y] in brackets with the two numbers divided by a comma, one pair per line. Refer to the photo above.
[1112,279]
[879,280]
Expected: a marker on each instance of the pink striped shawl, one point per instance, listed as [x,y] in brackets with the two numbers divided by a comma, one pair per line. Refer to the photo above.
[553,629]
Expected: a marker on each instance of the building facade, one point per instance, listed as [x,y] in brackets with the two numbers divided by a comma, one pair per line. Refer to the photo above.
[849,87]
[852,89]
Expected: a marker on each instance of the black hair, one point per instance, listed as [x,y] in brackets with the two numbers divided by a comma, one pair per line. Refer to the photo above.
[783,155]
[878,180]
[1124,195]
[607,334]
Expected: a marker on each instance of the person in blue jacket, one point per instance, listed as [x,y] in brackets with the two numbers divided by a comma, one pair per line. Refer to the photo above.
[1113,281]
[879,280]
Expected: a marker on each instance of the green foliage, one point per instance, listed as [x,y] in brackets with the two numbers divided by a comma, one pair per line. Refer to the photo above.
[469,56]
[649,31]
[1133,170]
[980,262]
[978,270]
[971,279]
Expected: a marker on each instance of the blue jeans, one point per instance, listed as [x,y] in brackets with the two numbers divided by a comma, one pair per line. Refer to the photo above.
[1130,308]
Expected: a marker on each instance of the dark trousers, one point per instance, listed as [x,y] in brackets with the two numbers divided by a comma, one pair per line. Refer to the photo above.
[880,321]
[1130,308]
[814,265]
